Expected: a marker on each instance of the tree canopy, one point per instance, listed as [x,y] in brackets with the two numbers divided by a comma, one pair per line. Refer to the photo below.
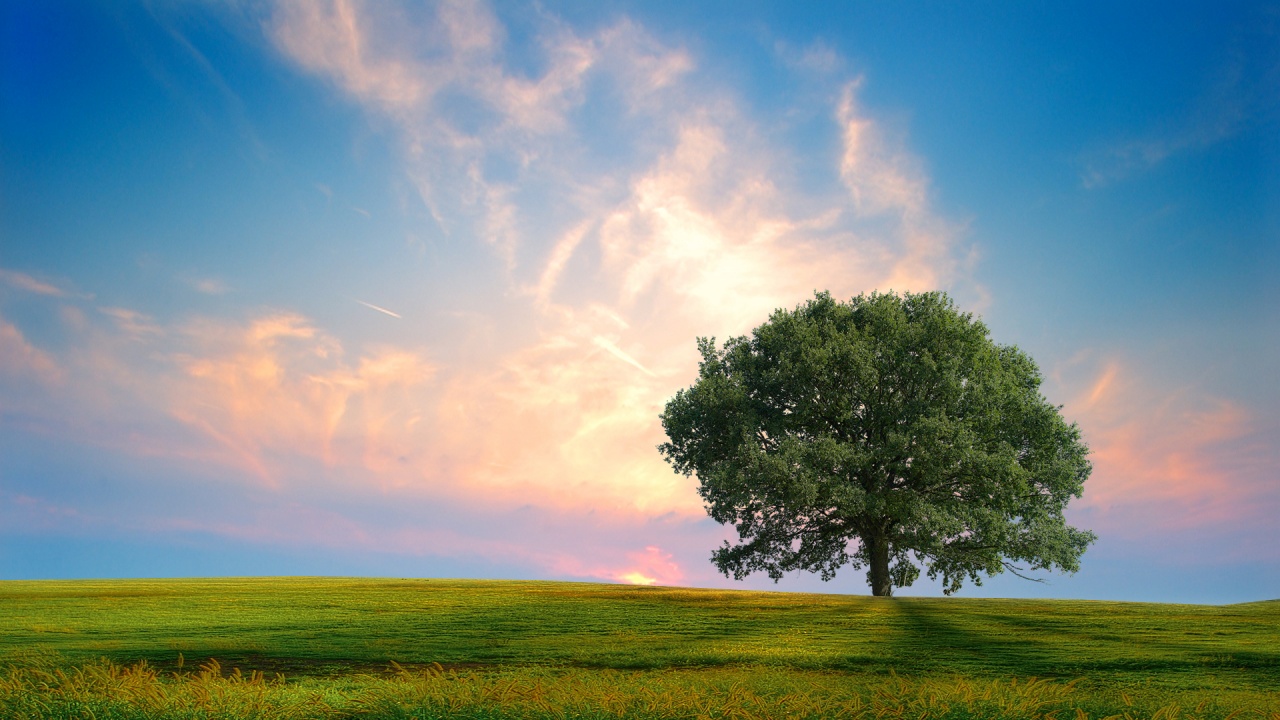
[889,432]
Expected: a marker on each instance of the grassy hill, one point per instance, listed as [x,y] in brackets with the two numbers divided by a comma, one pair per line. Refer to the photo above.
[381,639]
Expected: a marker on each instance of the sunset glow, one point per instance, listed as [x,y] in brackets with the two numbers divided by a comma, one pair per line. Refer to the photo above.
[375,288]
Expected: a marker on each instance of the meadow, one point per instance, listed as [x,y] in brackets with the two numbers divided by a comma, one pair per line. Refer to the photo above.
[382,648]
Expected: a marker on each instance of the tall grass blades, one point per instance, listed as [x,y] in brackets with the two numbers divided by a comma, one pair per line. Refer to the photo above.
[103,690]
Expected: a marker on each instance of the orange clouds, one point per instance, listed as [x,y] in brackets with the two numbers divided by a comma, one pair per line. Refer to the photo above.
[1169,460]
[280,387]
[563,423]
[258,396]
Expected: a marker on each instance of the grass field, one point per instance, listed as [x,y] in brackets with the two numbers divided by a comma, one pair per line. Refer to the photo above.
[319,648]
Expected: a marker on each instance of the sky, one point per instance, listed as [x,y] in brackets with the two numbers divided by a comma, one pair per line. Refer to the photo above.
[312,287]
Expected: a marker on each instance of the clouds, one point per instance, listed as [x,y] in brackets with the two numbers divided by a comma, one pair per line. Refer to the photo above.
[1125,159]
[598,198]
[131,322]
[24,282]
[624,202]
[23,362]
[279,389]
[1174,467]
[428,308]
[689,224]
[1236,90]
[328,37]
[257,396]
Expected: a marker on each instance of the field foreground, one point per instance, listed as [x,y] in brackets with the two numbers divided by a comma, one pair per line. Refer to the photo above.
[331,647]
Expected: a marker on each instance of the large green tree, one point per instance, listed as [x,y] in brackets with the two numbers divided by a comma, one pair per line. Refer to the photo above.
[889,432]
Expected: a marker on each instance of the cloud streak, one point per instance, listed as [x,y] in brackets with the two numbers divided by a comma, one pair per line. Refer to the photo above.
[380,309]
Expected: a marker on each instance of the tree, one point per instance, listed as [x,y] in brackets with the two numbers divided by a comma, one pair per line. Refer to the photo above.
[883,432]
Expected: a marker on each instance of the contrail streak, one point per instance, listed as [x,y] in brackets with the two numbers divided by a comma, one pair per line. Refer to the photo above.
[371,306]
[617,352]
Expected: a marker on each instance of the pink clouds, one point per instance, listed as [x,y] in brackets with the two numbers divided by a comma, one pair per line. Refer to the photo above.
[22,361]
[24,512]
[1171,461]
[290,524]
[653,566]
[25,282]
[131,322]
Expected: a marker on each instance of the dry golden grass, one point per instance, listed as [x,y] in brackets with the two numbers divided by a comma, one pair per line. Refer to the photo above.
[103,690]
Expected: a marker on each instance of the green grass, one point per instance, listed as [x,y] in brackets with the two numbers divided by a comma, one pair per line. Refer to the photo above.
[440,648]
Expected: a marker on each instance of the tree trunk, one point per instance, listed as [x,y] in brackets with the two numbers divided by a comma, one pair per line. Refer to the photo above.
[878,573]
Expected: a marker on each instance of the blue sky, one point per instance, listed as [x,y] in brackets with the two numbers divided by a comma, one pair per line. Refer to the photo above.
[399,289]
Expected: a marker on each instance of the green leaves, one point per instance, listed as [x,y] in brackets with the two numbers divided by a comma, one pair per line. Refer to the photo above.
[888,419]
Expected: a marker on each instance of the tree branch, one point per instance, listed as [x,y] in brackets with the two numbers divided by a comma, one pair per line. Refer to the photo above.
[1017,571]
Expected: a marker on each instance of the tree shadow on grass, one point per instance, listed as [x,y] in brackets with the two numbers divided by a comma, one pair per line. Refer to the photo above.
[933,639]
[1035,645]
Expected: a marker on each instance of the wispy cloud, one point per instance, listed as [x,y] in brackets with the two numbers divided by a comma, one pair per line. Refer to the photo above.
[1242,89]
[25,282]
[815,57]
[22,361]
[132,322]
[1130,157]
[209,286]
